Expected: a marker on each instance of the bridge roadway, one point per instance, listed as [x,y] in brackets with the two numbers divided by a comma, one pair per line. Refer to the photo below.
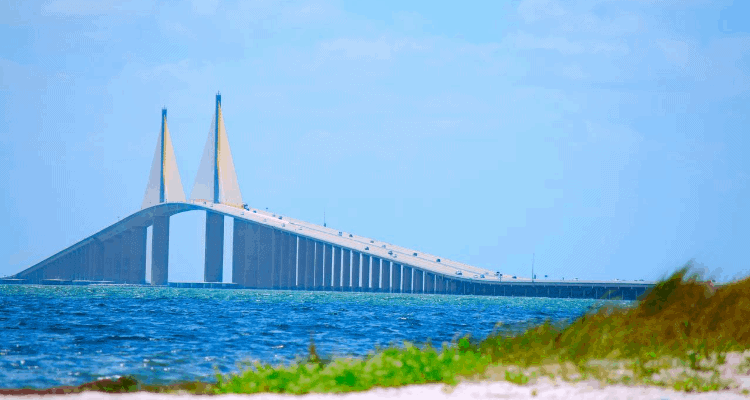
[289,238]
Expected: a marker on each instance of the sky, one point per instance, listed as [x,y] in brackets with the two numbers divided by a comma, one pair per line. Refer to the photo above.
[604,138]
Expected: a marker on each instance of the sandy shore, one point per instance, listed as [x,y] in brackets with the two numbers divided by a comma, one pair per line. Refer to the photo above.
[587,390]
[734,372]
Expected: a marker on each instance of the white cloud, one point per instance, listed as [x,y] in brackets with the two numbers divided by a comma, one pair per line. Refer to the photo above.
[177,28]
[524,40]
[572,71]
[205,7]
[358,48]
[380,49]
[534,10]
[676,51]
[96,7]
[569,20]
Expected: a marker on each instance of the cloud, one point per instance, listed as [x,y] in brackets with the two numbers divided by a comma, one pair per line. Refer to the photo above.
[676,51]
[535,10]
[551,11]
[177,28]
[96,7]
[205,7]
[380,49]
[572,71]
[358,48]
[607,137]
[526,41]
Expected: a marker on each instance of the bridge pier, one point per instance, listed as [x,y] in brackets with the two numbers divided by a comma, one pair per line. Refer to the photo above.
[310,265]
[265,257]
[375,271]
[238,252]
[366,286]
[135,248]
[159,252]
[336,268]
[356,286]
[406,285]
[302,263]
[108,267]
[395,278]
[439,284]
[319,263]
[418,281]
[328,267]
[346,272]
[290,261]
[429,282]
[117,256]
[214,255]
[277,238]
[385,276]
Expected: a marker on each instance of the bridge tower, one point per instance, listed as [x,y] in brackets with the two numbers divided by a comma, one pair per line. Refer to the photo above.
[216,182]
[164,185]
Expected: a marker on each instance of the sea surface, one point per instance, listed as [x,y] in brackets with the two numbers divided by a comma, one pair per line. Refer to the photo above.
[69,335]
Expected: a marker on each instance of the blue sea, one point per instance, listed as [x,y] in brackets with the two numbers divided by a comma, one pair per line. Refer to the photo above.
[69,335]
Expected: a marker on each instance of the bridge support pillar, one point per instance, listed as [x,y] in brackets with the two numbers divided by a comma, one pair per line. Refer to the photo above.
[337,268]
[375,271]
[159,251]
[366,273]
[429,282]
[328,267]
[238,252]
[395,278]
[117,256]
[277,238]
[346,269]
[214,255]
[356,287]
[265,257]
[406,285]
[418,281]
[134,250]
[250,263]
[289,274]
[385,276]
[319,262]
[302,249]
[310,265]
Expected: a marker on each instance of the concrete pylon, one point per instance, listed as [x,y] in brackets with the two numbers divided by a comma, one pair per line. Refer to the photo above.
[216,180]
[164,184]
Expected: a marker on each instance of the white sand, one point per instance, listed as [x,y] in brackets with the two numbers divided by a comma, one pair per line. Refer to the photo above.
[735,371]
[589,390]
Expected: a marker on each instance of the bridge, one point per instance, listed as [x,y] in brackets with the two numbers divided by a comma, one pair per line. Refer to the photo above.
[272,251]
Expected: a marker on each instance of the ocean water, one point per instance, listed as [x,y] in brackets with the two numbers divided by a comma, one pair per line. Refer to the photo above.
[69,335]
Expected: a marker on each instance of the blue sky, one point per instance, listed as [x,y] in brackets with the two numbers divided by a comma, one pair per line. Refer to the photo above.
[606,136]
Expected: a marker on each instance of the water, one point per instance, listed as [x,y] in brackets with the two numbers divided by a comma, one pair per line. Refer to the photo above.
[68,335]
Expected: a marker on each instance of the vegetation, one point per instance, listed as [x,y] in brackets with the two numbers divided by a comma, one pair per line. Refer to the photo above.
[683,325]
[677,336]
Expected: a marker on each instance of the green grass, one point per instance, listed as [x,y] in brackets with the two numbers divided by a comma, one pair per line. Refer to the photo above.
[682,322]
